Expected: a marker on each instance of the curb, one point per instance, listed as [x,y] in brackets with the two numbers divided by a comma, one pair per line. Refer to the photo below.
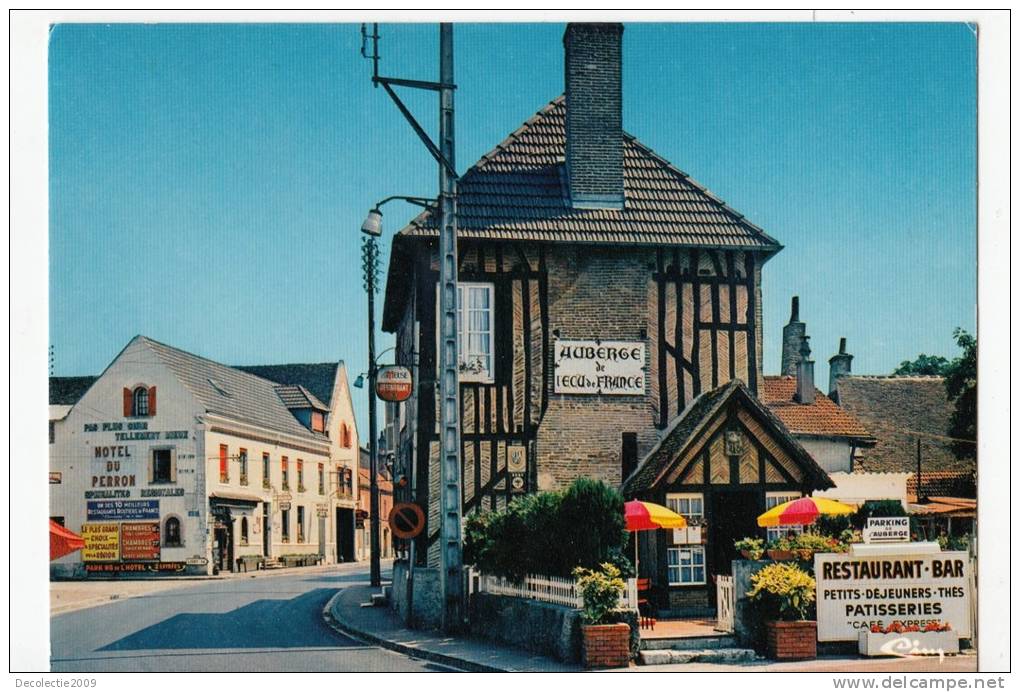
[415,652]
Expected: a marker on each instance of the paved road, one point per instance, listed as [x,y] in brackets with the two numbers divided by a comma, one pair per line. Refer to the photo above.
[250,625]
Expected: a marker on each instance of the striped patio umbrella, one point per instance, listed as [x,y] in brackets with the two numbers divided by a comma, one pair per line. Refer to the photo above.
[802,511]
[644,516]
[62,541]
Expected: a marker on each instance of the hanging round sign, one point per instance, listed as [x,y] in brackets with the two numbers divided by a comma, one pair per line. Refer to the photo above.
[393,383]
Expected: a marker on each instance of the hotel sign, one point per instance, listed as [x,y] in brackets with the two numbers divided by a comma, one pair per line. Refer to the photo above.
[122,510]
[856,592]
[599,367]
[139,541]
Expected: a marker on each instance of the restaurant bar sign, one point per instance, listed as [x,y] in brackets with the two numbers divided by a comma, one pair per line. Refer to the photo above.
[856,592]
[599,367]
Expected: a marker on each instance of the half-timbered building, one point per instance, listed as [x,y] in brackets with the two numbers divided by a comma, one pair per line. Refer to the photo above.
[606,301]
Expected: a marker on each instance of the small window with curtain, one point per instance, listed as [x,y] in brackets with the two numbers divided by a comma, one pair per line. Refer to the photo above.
[244,530]
[172,532]
[242,458]
[141,402]
[474,334]
[265,470]
[224,465]
[300,476]
[685,565]
[284,474]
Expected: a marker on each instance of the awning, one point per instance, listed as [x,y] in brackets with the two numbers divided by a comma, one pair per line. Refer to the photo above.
[63,542]
[227,498]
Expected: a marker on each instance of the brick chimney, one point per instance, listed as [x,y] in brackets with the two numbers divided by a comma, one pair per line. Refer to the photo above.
[592,77]
[793,332]
[839,365]
[805,374]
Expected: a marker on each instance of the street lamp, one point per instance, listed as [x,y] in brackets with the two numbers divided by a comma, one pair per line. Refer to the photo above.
[372,228]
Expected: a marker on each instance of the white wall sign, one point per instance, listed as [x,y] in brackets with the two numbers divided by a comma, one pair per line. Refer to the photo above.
[887,530]
[857,592]
[599,367]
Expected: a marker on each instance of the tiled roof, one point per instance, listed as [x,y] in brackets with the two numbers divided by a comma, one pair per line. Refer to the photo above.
[898,411]
[944,484]
[688,424]
[67,390]
[822,417]
[517,192]
[317,378]
[295,396]
[944,506]
[231,392]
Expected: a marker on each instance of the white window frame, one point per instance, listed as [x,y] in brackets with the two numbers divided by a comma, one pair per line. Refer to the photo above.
[778,497]
[466,375]
[673,503]
[690,566]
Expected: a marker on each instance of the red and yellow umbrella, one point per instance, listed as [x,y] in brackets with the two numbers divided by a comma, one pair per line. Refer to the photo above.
[642,516]
[63,541]
[802,511]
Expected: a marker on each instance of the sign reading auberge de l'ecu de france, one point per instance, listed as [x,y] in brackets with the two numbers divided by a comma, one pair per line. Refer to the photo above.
[599,367]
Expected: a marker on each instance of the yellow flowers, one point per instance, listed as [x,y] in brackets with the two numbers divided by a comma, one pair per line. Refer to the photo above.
[784,589]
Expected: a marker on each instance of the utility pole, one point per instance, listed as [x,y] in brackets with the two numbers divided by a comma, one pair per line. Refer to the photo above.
[452,576]
[452,572]
[370,264]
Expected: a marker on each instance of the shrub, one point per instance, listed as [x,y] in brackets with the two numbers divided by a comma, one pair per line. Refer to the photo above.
[550,533]
[818,544]
[600,590]
[833,524]
[783,590]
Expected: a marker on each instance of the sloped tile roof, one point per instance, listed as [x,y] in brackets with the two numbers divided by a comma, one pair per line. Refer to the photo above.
[944,506]
[231,392]
[687,426]
[317,378]
[295,396]
[67,390]
[517,192]
[822,417]
[898,410]
[944,484]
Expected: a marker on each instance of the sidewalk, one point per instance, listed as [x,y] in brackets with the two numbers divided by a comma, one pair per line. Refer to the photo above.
[381,626]
[68,596]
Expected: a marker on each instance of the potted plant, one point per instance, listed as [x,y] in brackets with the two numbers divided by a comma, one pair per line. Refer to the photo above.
[606,644]
[933,639]
[807,544]
[780,549]
[750,548]
[786,593]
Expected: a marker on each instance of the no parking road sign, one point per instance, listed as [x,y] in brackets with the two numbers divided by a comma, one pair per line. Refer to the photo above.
[406,520]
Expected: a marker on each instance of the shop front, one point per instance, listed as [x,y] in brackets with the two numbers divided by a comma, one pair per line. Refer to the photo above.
[721,464]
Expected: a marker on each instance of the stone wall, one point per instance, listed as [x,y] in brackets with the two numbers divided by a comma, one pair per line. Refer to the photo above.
[543,628]
[427,596]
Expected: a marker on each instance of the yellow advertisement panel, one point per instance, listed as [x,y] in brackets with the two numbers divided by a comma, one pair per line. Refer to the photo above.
[102,542]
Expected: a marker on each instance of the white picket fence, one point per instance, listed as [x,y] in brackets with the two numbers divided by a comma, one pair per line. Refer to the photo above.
[542,588]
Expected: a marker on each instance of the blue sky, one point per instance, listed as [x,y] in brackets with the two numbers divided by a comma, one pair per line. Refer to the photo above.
[208,182]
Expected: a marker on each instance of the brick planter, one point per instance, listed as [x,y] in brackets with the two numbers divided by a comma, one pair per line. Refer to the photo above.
[791,641]
[606,646]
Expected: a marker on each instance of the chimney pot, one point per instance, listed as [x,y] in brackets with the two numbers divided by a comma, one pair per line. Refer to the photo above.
[805,374]
[793,332]
[594,115]
[839,366]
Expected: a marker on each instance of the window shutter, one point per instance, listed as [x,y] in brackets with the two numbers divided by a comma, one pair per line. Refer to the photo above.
[152,401]
[173,462]
[127,402]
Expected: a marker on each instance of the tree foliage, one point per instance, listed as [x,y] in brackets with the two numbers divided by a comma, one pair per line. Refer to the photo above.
[961,386]
[923,365]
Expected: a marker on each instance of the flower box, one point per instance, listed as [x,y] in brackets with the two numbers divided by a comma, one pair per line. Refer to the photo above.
[794,640]
[908,643]
[779,555]
[606,646]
